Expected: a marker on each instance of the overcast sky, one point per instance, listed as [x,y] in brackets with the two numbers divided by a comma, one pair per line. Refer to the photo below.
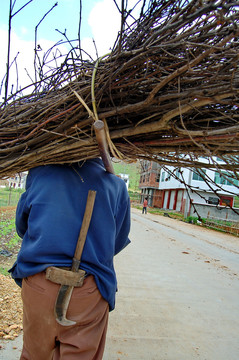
[100,20]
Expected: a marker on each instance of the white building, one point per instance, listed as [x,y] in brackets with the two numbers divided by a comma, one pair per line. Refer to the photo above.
[125,177]
[221,190]
[18,181]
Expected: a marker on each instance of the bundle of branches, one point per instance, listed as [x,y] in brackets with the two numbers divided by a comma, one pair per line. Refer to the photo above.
[167,92]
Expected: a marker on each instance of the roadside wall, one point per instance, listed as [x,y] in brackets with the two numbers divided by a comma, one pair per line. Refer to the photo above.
[215,211]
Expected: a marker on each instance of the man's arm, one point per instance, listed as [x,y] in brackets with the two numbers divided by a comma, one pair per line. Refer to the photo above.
[122,225]
[22,211]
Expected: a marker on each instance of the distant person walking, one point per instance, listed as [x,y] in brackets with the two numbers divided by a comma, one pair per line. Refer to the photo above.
[145,204]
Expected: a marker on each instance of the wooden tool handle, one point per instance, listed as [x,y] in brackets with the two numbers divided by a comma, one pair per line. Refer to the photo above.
[103,146]
[65,291]
[85,225]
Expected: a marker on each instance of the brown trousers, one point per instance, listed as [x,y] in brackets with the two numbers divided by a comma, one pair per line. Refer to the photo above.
[45,339]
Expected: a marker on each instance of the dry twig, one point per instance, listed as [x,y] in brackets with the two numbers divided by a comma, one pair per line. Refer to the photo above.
[136,92]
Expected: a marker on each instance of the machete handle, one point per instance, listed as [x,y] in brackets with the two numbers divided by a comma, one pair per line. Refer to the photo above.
[84,229]
[65,291]
[103,146]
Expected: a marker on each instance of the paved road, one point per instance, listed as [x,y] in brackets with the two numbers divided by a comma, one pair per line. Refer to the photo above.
[178,294]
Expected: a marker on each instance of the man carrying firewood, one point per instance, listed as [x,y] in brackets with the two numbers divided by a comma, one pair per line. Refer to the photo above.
[73,220]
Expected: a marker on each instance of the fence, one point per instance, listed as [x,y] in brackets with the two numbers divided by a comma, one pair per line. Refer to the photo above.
[231,227]
[9,197]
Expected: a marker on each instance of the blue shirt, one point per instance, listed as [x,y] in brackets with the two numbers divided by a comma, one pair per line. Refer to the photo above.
[49,216]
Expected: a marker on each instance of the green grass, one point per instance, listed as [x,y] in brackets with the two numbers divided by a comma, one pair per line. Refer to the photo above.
[132,169]
[134,195]
[194,220]
[9,240]
[236,202]
[9,197]
[4,271]
[7,231]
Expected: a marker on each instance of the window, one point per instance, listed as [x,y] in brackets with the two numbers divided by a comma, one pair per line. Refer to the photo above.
[213,200]
[226,201]
[197,176]
[163,175]
[225,178]
[178,173]
[157,177]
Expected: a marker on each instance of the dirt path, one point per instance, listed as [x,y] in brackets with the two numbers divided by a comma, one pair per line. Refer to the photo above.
[10,298]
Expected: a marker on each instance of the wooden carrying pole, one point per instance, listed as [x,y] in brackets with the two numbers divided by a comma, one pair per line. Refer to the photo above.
[103,145]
